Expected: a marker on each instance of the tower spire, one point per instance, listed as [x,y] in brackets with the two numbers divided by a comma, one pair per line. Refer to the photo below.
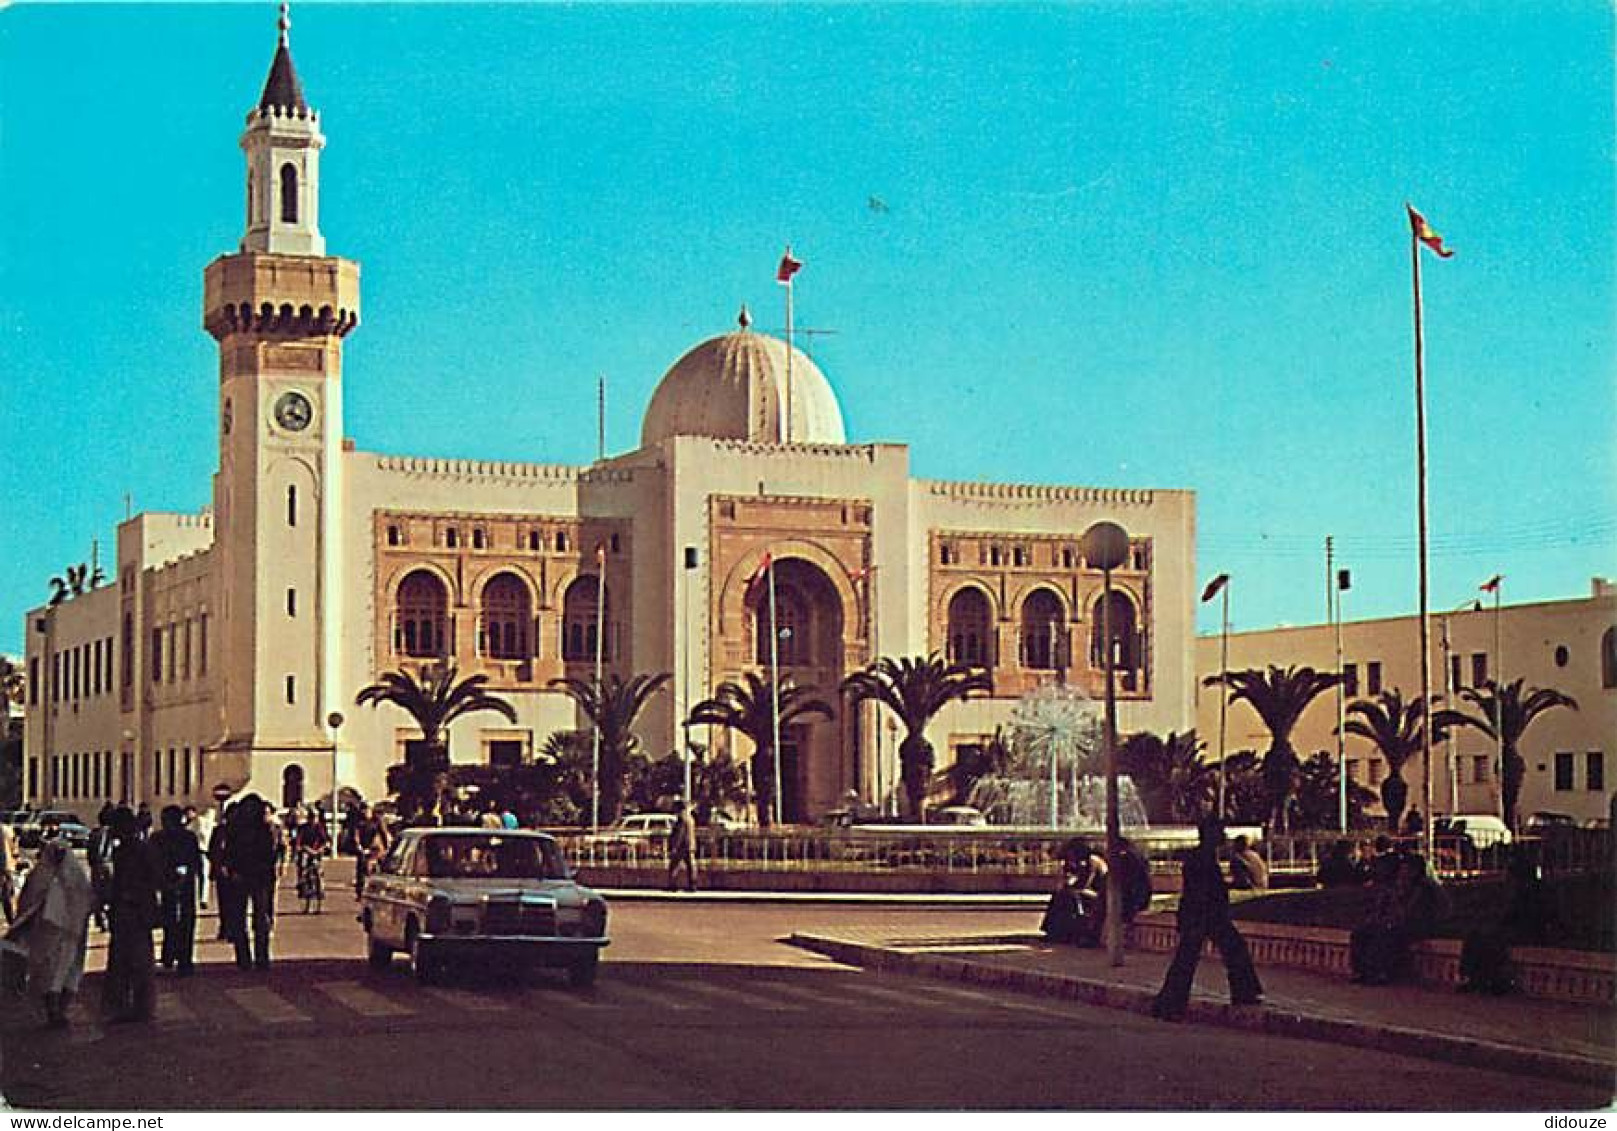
[285,23]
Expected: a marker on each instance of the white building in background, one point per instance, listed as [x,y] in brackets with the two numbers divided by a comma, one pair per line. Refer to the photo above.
[226,640]
[1569,645]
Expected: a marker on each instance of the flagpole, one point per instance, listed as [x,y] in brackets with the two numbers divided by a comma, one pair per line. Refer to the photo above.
[600,643]
[1224,698]
[1420,471]
[1498,690]
[774,685]
[1341,717]
[786,438]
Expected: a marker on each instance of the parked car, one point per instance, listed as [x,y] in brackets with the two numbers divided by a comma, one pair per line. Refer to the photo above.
[32,831]
[637,828]
[1483,830]
[1542,822]
[442,895]
[967,815]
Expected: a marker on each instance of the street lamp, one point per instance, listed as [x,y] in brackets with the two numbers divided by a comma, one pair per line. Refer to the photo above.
[1106,546]
[335,722]
[1221,584]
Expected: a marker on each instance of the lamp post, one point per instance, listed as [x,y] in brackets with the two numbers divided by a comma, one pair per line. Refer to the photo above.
[335,722]
[685,678]
[1221,585]
[1106,546]
[1493,585]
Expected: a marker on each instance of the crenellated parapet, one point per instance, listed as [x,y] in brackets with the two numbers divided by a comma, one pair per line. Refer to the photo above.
[471,470]
[1014,493]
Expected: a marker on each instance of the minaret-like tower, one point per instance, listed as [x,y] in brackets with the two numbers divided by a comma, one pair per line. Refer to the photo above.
[279,309]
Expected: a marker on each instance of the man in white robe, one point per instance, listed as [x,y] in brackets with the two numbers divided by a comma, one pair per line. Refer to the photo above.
[53,922]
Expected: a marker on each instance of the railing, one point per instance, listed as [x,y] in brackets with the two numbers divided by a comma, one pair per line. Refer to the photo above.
[898,849]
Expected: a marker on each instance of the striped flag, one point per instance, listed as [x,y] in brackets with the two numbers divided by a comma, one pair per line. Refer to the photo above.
[1492,584]
[758,574]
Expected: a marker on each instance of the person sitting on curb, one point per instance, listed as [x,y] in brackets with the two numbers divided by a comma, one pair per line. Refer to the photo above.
[1529,917]
[1204,913]
[1402,910]
[1076,912]
[1339,869]
[1248,872]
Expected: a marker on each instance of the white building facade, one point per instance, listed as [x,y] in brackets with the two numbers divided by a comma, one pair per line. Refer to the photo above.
[225,651]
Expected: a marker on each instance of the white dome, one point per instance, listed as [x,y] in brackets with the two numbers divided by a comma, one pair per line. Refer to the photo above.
[733,386]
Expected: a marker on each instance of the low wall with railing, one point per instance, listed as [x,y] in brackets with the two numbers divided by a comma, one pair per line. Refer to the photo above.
[1547,972]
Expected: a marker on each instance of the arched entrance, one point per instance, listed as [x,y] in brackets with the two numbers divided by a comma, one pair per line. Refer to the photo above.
[808,624]
[292,786]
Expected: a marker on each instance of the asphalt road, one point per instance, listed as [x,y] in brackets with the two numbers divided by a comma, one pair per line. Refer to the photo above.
[699,1006]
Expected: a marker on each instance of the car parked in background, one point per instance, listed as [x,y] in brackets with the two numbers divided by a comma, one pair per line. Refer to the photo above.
[31,833]
[1543,822]
[1481,830]
[447,895]
[637,828]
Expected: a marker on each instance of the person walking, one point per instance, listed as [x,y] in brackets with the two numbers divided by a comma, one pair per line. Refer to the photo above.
[53,922]
[8,872]
[1204,913]
[309,848]
[226,890]
[98,856]
[682,848]
[128,992]
[371,842]
[180,857]
[201,826]
[250,858]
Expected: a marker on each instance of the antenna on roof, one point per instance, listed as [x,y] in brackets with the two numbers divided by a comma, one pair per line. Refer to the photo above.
[600,417]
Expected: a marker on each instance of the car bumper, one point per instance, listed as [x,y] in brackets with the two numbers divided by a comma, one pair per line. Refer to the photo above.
[544,952]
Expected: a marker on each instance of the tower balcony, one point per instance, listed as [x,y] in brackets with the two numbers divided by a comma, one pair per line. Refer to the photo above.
[290,295]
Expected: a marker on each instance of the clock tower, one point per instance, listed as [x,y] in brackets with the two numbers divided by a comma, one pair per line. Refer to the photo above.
[279,309]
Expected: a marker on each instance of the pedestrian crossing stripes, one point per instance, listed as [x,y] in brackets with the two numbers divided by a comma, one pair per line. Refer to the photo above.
[729,994]
[722,994]
[266,1006]
[365,1002]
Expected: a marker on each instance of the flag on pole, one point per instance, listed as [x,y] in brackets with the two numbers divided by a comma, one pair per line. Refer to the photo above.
[1492,584]
[788,267]
[1424,232]
[862,573]
[1214,586]
[758,574]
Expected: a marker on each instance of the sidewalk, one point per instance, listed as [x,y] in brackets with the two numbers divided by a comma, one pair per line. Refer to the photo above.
[1513,1034]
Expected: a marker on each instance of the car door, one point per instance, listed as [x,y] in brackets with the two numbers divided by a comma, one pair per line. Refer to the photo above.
[387,907]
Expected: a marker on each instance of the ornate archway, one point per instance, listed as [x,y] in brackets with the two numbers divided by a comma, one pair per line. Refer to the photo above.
[809,629]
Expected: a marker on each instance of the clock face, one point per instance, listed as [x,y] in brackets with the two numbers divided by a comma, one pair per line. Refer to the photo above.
[293,412]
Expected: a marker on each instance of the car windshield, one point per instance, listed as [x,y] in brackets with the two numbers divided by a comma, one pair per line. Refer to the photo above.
[493,858]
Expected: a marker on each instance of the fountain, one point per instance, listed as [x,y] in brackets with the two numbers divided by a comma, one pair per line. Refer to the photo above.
[1054,777]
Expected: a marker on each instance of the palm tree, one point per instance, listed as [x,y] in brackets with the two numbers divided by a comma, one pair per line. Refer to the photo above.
[12,686]
[1397,730]
[1176,786]
[748,707]
[1318,800]
[916,688]
[1279,696]
[434,701]
[612,707]
[971,765]
[1515,712]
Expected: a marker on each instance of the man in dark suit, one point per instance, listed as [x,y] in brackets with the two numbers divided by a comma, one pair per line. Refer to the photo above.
[1204,913]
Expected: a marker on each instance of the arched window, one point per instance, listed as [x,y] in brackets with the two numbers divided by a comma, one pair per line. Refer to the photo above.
[969,627]
[289,193]
[1608,658]
[1043,628]
[292,786]
[506,613]
[422,617]
[580,619]
[1125,637]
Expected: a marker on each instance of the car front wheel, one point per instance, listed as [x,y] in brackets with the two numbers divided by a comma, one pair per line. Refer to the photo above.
[422,962]
[582,973]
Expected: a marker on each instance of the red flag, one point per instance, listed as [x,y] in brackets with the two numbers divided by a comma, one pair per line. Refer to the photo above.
[1492,584]
[1423,232]
[758,574]
[788,267]
[862,573]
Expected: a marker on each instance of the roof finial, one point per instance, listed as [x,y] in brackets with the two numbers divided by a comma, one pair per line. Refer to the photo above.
[285,23]
[745,318]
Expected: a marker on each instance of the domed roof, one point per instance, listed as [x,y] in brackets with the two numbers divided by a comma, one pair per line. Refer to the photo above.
[733,387]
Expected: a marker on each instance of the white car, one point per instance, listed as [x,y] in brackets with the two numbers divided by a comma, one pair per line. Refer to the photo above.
[1483,830]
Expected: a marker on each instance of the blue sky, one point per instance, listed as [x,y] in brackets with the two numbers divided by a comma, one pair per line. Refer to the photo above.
[1139,245]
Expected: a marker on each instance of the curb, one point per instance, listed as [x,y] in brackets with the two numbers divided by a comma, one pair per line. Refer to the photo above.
[950,899]
[1514,1059]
